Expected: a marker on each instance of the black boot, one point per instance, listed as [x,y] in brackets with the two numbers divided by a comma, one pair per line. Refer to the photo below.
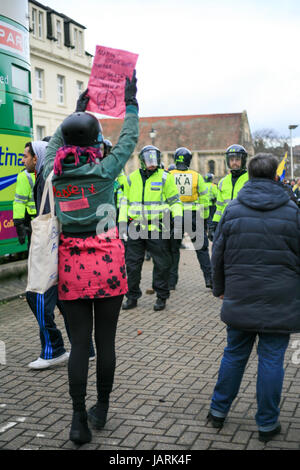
[215,420]
[208,283]
[160,304]
[79,432]
[129,304]
[266,436]
[98,414]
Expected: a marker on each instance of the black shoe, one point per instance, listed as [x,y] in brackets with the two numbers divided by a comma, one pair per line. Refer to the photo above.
[160,304]
[172,287]
[216,421]
[208,283]
[130,303]
[98,414]
[266,436]
[79,432]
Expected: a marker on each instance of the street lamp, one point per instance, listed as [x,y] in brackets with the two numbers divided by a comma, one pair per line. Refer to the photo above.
[291,127]
[152,135]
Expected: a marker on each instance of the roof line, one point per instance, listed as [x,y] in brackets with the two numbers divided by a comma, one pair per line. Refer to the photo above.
[66,18]
[185,116]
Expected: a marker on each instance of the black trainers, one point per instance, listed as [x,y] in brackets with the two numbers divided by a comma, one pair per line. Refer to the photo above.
[129,304]
[160,304]
[266,436]
[80,432]
[98,414]
[216,421]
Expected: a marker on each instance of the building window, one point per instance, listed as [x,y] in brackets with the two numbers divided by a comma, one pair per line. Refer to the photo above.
[33,20]
[60,89]
[75,38]
[58,33]
[79,87]
[211,166]
[39,84]
[40,25]
[40,132]
[78,41]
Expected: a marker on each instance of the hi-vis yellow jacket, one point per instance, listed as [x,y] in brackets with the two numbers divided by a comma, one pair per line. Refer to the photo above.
[24,200]
[226,193]
[192,190]
[212,193]
[146,202]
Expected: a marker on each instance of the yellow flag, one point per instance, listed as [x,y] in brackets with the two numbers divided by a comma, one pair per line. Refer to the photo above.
[282,167]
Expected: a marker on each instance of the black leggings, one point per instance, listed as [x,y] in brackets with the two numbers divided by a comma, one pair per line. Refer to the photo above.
[80,319]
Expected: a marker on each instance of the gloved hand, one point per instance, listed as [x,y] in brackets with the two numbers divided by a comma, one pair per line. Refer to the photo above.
[21,229]
[177,231]
[211,232]
[131,90]
[82,102]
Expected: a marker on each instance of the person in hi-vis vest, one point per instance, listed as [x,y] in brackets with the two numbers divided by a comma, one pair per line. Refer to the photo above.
[151,196]
[229,186]
[24,206]
[193,194]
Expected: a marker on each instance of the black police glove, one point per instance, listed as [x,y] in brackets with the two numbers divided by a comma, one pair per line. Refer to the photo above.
[21,229]
[131,90]
[82,102]
[211,232]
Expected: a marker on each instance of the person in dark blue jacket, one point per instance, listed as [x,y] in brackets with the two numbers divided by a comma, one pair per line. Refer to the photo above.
[256,271]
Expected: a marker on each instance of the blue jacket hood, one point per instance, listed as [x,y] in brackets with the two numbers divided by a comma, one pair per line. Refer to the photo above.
[263,194]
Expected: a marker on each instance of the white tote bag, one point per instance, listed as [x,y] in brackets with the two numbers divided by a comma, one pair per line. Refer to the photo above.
[43,251]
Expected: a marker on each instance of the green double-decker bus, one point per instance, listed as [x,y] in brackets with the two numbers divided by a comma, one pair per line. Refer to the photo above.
[15,112]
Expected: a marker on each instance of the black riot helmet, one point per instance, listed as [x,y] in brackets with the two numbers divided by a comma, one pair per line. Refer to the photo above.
[81,129]
[182,158]
[209,177]
[237,151]
[107,147]
[149,156]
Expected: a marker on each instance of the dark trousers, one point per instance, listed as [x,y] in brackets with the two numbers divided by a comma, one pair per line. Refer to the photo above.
[202,253]
[81,314]
[43,306]
[161,256]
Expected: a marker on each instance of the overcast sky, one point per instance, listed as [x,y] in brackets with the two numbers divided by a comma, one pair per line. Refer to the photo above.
[204,56]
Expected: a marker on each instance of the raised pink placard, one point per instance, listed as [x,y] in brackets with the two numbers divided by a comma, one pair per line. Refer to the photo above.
[107,80]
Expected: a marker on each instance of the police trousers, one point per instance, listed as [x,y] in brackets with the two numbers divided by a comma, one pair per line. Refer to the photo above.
[161,255]
[196,224]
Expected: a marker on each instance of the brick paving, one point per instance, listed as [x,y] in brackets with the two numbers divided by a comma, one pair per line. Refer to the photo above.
[163,382]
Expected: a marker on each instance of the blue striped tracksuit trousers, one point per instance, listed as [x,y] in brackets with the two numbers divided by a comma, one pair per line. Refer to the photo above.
[43,305]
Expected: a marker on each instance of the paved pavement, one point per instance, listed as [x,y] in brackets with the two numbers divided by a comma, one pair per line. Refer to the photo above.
[164,379]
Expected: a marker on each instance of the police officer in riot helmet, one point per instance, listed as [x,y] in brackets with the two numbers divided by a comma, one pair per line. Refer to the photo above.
[194,196]
[229,186]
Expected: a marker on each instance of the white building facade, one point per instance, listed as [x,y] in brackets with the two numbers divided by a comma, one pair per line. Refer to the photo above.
[60,67]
